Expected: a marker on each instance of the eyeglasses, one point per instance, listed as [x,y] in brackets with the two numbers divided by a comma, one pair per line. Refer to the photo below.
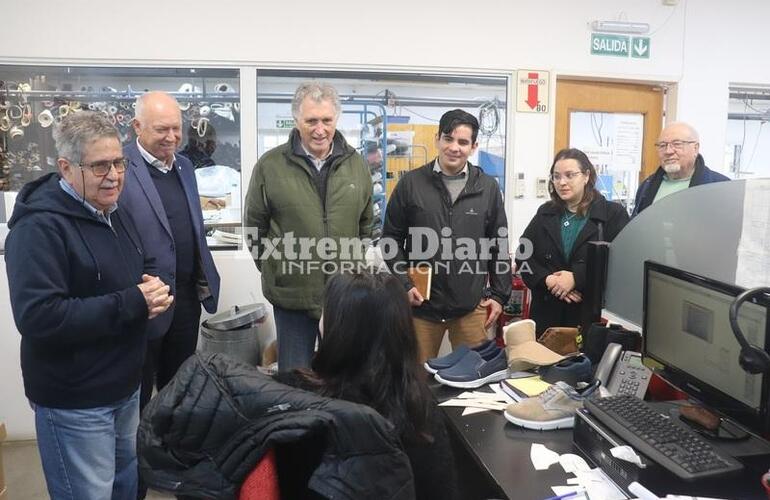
[677,145]
[102,168]
[556,177]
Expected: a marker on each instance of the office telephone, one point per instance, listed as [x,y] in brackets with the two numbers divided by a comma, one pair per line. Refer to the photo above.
[622,372]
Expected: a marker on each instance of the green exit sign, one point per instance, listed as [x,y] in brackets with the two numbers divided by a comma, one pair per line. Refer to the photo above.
[637,47]
[284,123]
[640,47]
[610,45]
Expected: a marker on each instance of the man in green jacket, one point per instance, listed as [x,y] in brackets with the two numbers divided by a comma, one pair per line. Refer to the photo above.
[309,214]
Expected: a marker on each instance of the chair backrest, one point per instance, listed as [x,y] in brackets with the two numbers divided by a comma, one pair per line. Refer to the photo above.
[262,481]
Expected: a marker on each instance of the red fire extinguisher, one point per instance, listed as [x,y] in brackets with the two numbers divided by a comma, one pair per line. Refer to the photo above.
[516,309]
[519,303]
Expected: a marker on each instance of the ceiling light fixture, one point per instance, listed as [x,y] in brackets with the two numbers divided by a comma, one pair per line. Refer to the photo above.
[620,27]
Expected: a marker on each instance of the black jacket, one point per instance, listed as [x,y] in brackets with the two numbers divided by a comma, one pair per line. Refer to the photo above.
[430,481]
[645,195]
[72,282]
[207,429]
[421,200]
[544,233]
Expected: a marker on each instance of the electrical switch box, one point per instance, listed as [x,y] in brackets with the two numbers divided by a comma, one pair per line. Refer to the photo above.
[541,188]
[519,188]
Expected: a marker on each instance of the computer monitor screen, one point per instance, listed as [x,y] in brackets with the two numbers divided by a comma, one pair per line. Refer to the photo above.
[687,329]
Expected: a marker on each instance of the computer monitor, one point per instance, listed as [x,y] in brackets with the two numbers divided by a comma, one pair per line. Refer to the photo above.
[687,329]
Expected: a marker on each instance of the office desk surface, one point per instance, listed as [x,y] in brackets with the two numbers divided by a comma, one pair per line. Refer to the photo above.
[500,450]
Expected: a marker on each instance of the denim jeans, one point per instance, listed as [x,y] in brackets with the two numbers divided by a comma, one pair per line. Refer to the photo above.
[89,453]
[296,334]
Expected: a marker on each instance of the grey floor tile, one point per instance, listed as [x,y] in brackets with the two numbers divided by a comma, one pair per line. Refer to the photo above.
[24,473]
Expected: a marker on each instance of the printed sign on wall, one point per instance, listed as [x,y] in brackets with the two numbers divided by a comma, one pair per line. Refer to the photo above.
[533,88]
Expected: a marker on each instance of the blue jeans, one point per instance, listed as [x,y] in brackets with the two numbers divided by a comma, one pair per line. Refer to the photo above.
[296,334]
[89,453]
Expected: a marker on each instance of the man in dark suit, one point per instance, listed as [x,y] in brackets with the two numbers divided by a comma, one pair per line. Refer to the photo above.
[162,195]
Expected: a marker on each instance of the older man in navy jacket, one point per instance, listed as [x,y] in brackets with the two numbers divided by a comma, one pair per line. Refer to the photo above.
[162,195]
[681,166]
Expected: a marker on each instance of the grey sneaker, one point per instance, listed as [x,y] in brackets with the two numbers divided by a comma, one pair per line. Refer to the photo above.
[553,409]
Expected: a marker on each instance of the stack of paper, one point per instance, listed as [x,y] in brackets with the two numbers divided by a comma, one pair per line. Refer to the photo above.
[478,401]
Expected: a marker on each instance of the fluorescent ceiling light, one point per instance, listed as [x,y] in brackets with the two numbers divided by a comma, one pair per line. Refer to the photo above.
[620,27]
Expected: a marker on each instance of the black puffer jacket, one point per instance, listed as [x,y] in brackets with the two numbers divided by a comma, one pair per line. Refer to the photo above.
[207,429]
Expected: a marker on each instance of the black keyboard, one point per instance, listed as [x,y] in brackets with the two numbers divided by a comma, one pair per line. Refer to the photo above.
[674,447]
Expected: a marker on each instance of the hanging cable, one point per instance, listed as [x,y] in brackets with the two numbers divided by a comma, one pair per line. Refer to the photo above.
[489,118]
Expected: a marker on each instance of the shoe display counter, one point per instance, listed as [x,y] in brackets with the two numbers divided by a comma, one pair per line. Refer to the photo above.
[492,456]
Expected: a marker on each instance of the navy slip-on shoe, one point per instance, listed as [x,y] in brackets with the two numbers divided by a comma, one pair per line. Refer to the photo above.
[435,364]
[474,371]
[571,370]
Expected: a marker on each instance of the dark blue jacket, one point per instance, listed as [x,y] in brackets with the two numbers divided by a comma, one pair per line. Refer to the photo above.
[645,195]
[72,282]
[140,198]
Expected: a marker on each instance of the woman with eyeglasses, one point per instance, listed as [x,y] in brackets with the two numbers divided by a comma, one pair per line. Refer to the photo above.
[554,247]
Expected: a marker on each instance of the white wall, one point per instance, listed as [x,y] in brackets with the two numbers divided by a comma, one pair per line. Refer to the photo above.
[724,43]
[700,45]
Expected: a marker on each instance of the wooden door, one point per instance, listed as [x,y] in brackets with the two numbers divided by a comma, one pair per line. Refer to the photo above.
[608,97]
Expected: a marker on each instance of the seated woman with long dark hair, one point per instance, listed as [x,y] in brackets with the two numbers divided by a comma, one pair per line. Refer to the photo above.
[368,355]
[558,237]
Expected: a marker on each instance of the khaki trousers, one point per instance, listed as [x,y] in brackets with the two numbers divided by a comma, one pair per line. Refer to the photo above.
[465,330]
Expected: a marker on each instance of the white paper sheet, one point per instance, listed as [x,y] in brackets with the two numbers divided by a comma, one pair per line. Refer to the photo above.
[573,464]
[482,396]
[628,454]
[475,403]
[501,393]
[542,458]
[641,492]
[470,411]
[599,486]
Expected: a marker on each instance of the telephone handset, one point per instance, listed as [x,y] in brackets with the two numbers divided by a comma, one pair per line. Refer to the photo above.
[622,372]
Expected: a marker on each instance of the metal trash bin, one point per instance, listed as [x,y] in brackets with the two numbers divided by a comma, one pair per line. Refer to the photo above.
[234,333]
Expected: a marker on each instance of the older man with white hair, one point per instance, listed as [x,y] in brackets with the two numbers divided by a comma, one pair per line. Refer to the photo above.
[311,192]
[681,166]
[162,195]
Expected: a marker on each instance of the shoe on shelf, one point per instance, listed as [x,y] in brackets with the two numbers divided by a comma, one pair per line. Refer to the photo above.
[474,371]
[553,409]
[435,364]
